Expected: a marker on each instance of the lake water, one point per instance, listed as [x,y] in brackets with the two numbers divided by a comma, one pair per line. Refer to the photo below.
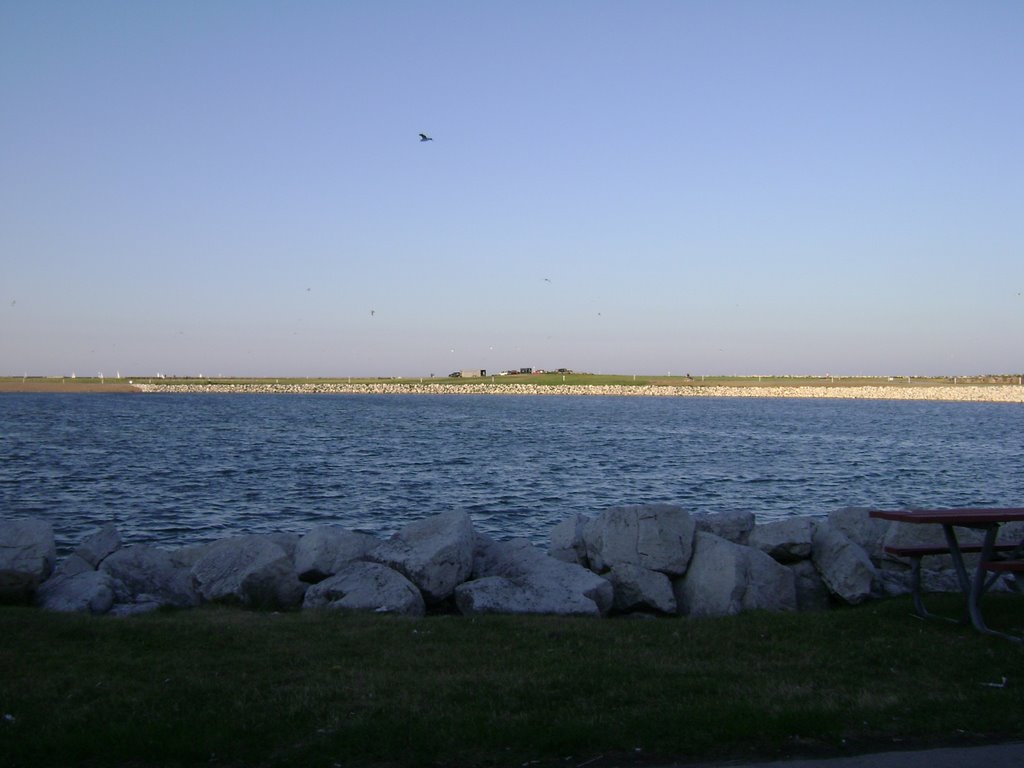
[177,469]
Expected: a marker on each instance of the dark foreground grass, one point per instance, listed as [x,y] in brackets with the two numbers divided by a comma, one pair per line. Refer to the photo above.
[226,687]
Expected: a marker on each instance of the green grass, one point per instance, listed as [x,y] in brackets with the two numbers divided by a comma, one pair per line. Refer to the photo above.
[255,689]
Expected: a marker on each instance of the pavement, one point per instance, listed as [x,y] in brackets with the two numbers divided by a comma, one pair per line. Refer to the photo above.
[990,756]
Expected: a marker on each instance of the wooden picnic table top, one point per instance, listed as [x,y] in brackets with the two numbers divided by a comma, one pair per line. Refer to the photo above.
[963,516]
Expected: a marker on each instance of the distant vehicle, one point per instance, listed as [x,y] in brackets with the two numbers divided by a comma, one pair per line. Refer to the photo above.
[526,370]
[455,375]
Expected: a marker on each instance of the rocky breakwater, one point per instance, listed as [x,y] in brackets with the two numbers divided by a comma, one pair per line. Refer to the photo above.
[958,393]
[652,560]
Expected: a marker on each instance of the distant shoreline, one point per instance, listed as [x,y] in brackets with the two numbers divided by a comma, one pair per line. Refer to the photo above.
[992,393]
[1006,393]
[69,386]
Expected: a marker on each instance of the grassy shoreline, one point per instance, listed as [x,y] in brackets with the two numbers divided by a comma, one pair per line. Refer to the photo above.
[227,687]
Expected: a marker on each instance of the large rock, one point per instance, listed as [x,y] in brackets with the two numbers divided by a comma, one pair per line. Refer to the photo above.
[146,574]
[100,545]
[435,554]
[811,592]
[859,527]
[84,592]
[325,550]
[734,526]
[252,571]
[725,578]
[72,565]
[289,542]
[567,541]
[27,556]
[786,541]
[658,537]
[516,577]
[845,567]
[189,555]
[641,589]
[366,587]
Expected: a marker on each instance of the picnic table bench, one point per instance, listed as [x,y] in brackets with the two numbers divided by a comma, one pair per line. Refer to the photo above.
[916,553]
[991,565]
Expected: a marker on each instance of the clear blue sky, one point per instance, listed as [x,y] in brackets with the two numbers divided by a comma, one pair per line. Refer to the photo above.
[709,187]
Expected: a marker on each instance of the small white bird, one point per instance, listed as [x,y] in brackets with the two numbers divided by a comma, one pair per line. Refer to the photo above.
[424,137]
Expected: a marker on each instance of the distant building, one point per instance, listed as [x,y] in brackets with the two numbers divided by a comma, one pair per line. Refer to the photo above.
[526,370]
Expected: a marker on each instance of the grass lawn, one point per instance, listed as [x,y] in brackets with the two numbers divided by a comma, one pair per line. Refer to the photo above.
[228,687]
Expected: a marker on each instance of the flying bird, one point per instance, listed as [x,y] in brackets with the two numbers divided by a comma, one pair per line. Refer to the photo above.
[424,137]
[373,312]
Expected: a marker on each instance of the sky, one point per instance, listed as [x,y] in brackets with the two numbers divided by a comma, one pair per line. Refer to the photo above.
[722,187]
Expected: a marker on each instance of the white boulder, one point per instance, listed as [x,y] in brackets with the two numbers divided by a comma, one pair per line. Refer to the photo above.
[189,555]
[567,541]
[286,541]
[863,530]
[72,565]
[725,578]
[734,526]
[845,567]
[249,570]
[145,573]
[787,540]
[658,537]
[326,549]
[101,544]
[435,554]
[84,592]
[640,589]
[28,554]
[516,577]
[811,592]
[366,587]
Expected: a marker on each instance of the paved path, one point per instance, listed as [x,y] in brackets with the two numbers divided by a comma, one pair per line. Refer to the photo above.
[990,756]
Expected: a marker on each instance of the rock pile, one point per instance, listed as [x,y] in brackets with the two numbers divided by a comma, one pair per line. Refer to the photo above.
[655,560]
[1001,393]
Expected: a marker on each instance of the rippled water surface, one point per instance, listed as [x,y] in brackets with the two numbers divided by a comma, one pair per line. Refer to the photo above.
[178,469]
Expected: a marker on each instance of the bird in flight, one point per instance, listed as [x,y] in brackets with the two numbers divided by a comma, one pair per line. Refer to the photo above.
[547,279]
[424,137]
[373,312]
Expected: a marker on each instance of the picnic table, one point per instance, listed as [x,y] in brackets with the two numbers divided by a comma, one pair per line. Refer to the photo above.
[995,558]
